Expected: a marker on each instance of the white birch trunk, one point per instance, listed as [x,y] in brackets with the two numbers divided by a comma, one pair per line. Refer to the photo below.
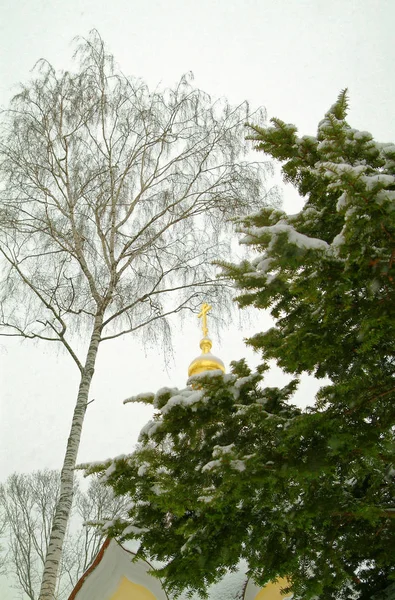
[63,508]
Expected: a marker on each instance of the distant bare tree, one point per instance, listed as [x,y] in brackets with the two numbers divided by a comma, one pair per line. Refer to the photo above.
[2,550]
[28,503]
[98,504]
[114,200]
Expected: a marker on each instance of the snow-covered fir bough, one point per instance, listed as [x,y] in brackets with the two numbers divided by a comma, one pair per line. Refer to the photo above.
[202,467]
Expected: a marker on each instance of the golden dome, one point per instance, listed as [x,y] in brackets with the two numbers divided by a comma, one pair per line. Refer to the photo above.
[206,361]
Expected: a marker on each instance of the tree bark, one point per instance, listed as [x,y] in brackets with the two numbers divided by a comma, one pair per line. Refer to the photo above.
[63,509]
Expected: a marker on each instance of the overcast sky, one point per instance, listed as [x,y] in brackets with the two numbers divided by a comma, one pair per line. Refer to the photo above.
[291,56]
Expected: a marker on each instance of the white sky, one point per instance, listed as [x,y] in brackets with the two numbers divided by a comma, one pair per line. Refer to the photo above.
[291,56]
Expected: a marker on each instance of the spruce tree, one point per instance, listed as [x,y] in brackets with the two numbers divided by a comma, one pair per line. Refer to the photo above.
[327,276]
[231,470]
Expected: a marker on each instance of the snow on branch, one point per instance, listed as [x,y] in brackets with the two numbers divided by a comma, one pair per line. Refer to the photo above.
[294,237]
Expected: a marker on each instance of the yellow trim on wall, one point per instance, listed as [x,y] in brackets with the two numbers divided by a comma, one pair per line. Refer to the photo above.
[127,590]
[272,591]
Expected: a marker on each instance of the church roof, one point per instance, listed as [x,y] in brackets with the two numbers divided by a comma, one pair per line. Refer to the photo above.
[114,566]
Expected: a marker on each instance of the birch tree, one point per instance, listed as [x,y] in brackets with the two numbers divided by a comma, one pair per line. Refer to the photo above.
[28,502]
[113,203]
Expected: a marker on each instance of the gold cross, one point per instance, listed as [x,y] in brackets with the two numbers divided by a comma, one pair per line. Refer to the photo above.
[203,315]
